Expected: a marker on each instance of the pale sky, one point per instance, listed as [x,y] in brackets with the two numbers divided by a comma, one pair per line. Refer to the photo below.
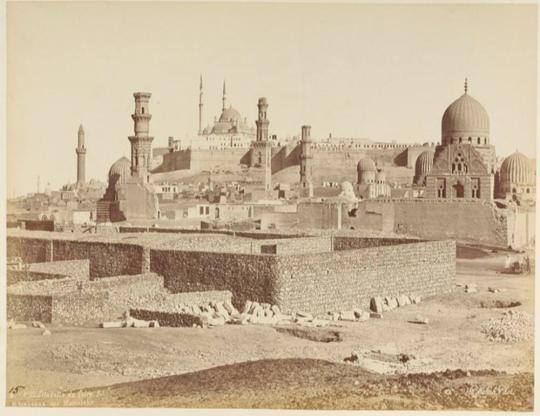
[386,72]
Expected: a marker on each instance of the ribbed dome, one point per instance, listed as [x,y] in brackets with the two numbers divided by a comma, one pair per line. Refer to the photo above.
[465,118]
[120,170]
[366,165]
[424,163]
[517,169]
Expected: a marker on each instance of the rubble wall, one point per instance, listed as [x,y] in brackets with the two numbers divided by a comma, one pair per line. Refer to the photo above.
[30,250]
[105,259]
[348,279]
[248,277]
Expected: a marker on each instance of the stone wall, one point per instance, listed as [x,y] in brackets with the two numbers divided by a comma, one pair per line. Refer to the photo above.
[72,268]
[248,277]
[351,243]
[105,259]
[65,301]
[474,221]
[16,276]
[349,278]
[30,250]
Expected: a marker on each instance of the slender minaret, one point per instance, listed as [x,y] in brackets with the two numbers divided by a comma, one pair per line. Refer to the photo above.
[306,184]
[81,158]
[224,95]
[200,105]
[262,147]
[141,143]
[38,185]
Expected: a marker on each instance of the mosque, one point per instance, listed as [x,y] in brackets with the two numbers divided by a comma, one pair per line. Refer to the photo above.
[463,166]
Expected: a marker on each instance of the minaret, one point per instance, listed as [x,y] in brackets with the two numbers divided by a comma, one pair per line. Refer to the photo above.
[224,96]
[81,158]
[306,168]
[262,147]
[466,85]
[200,105]
[141,143]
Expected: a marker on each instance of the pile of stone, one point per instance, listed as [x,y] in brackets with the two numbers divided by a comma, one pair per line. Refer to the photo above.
[353,315]
[513,326]
[260,313]
[210,314]
[379,304]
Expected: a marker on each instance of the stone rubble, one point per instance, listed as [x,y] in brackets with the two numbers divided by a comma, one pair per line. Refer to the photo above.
[388,303]
[513,326]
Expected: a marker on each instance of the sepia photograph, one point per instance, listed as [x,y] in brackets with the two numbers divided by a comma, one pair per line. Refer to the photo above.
[269,206]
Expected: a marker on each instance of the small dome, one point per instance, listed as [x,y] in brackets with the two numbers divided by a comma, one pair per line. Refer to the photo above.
[120,171]
[424,163]
[366,165]
[465,118]
[517,169]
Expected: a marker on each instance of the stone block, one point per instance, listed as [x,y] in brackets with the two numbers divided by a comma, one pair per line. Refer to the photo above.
[37,324]
[46,332]
[403,300]
[376,315]
[247,306]
[376,304]
[112,324]
[276,310]
[347,316]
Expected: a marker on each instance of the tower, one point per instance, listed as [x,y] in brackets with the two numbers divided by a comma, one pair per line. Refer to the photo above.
[224,99]
[81,158]
[306,167]
[200,105]
[261,153]
[141,142]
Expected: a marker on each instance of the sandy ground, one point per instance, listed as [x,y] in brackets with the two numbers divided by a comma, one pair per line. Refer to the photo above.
[42,367]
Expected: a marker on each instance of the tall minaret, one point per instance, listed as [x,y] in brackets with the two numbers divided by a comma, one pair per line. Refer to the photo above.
[262,148]
[81,158]
[141,143]
[306,168]
[200,105]
[224,95]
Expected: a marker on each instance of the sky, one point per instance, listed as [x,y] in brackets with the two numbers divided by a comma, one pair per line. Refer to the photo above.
[385,72]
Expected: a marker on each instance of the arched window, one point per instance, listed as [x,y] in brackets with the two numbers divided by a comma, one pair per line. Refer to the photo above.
[142,110]
[460,139]
[479,140]
[470,139]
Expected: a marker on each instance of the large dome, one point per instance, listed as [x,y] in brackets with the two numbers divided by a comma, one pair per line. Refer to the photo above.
[465,120]
[517,169]
[230,115]
[120,171]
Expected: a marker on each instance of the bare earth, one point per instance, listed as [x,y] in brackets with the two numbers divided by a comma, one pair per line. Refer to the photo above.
[258,366]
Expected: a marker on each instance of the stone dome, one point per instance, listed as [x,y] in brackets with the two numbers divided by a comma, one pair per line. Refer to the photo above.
[423,165]
[467,119]
[120,171]
[366,170]
[517,169]
[366,165]
[230,115]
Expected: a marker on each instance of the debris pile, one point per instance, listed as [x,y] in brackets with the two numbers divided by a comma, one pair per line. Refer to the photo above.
[379,304]
[513,326]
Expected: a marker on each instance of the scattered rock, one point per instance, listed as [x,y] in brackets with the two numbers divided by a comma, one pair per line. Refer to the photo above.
[419,320]
[347,316]
[416,299]
[376,315]
[376,304]
[361,315]
[112,324]
[305,315]
[37,324]
[403,300]
[46,332]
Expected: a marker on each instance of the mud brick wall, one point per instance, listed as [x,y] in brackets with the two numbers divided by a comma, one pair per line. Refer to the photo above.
[29,308]
[349,243]
[72,268]
[349,278]
[30,250]
[105,259]
[248,277]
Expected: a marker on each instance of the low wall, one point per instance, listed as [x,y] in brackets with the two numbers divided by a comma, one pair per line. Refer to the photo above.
[72,268]
[348,279]
[351,243]
[29,308]
[30,250]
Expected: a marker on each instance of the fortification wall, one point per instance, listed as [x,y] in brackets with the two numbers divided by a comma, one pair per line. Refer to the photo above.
[348,279]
